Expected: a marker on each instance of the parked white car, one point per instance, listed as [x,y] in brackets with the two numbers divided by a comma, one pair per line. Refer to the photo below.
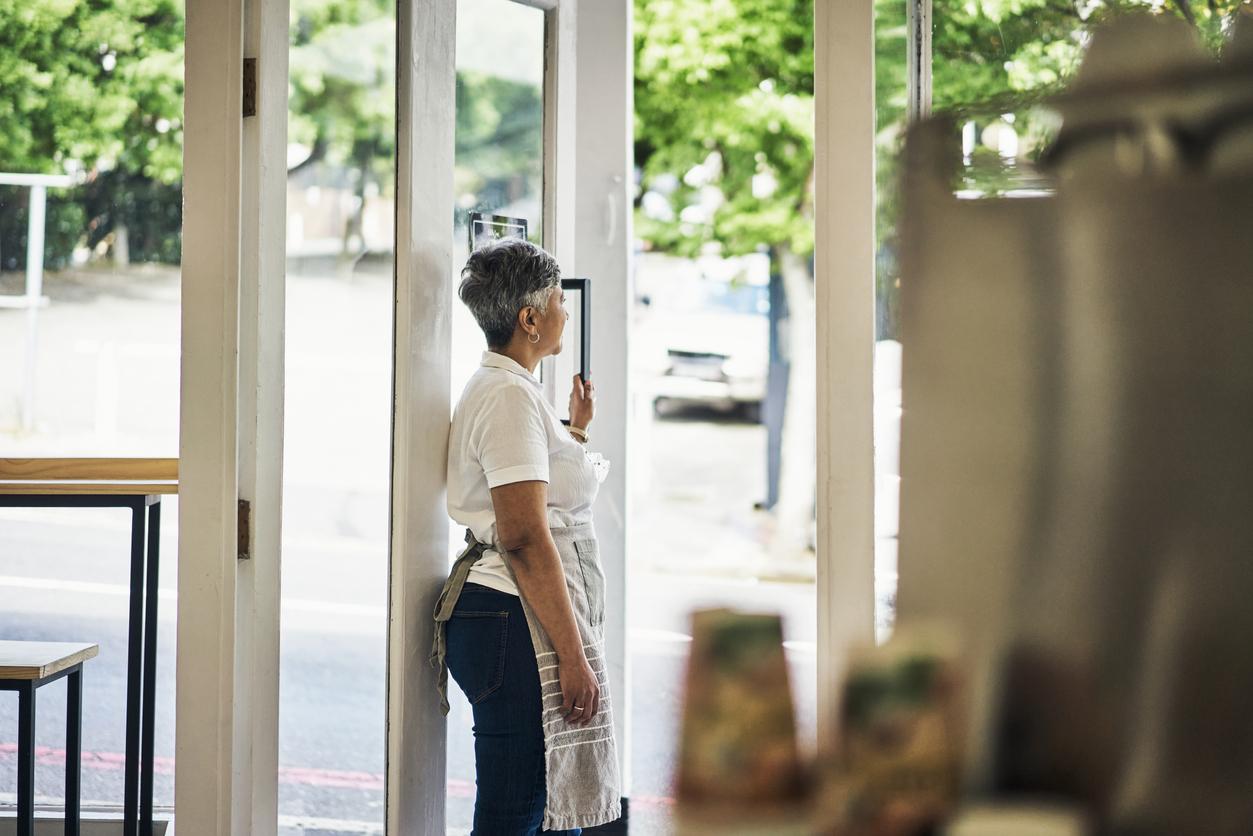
[708,342]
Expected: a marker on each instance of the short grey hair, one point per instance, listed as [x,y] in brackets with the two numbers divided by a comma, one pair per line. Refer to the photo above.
[501,279]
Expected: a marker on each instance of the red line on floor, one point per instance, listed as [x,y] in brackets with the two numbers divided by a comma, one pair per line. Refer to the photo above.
[297,775]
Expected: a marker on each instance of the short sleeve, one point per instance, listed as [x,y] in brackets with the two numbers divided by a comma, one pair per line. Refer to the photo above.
[510,438]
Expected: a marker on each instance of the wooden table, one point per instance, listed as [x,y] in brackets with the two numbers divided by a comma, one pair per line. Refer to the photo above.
[24,667]
[137,484]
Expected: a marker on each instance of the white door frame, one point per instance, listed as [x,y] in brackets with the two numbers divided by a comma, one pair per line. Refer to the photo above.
[208,490]
[592,117]
[262,384]
[418,559]
[560,129]
[844,283]
[231,418]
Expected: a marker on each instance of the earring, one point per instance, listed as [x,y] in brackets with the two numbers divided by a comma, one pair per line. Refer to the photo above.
[534,338]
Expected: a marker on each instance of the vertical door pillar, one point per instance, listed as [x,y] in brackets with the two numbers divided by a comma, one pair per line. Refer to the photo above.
[208,486]
[262,322]
[602,252]
[844,276]
[426,97]
[560,130]
[231,420]
[561,119]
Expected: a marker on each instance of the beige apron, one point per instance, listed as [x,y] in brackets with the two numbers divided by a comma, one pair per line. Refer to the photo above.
[584,789]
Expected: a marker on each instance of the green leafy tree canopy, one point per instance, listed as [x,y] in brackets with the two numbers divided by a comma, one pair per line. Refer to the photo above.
[724,123]
[92,87]
[724,99]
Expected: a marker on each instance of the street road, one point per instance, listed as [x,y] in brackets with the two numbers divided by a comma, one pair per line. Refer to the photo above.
[68,583]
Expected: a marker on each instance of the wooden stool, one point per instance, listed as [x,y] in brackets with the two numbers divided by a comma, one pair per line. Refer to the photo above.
[24,667]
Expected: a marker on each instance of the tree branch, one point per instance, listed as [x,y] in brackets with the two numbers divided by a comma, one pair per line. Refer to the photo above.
[316,153]
[1185,8]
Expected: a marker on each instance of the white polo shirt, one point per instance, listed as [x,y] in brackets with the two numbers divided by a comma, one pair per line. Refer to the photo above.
[504,431]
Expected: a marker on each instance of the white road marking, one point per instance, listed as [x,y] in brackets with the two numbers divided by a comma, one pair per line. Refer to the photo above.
[644,641]
[118,590]
[118,519]
[644,634]
[85,587]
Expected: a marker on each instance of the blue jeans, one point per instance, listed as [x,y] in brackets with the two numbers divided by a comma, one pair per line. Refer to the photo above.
[492,660]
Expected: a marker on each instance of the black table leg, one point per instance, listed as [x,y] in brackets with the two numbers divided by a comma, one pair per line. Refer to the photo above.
[141,650]
[73,750]
[26,759]
[134,674]
[150,668]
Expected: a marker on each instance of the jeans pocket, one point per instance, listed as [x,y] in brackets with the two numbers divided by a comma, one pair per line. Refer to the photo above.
[593,580]
[476,652]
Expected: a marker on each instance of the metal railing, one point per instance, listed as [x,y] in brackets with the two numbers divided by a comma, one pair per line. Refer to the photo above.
[32,299]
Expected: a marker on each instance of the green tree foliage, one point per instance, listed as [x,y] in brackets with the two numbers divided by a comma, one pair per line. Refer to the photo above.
[734,79]
[342,68]
[1021,50]
[499,153]
[342,97]
[343,106]
[92,88]
[95,87]
[1006,56]
[724,103]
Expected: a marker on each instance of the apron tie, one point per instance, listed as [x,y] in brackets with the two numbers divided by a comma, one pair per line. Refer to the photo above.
[443,611]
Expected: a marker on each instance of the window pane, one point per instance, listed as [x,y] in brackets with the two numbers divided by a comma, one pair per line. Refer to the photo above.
[92,96]
[722,353]
[499,139]
[891,103]
[498,169]
[995,61]
[336,479]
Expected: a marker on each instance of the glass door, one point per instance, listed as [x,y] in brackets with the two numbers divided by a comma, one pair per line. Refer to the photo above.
[336,481]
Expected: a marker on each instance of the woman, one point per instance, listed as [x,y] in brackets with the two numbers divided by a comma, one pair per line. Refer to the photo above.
[520,622]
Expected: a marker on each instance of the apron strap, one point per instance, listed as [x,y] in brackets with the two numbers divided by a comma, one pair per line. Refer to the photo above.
[444,608]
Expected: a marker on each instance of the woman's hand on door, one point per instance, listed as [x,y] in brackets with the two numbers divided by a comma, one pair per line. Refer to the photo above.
[582,403]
